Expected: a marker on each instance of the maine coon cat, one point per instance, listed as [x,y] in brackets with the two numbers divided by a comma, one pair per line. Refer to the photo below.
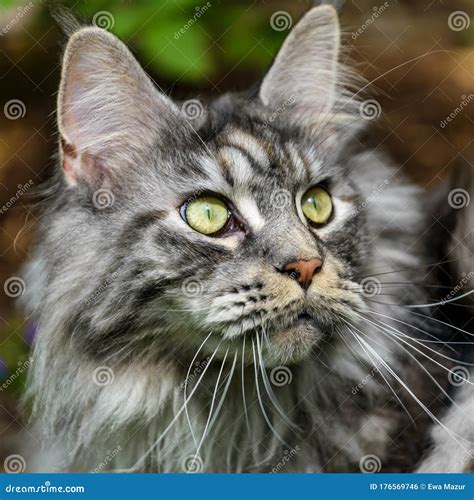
[240,289]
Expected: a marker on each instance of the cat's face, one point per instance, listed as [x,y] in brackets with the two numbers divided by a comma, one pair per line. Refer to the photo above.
[284,243]
[237,231]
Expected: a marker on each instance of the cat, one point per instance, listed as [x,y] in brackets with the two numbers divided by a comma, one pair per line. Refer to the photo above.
[240,288]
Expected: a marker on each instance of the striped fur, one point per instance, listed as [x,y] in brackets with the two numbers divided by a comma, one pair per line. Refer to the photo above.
[132,288]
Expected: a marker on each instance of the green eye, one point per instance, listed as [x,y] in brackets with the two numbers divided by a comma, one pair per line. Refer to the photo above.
[317,205]
[206,214]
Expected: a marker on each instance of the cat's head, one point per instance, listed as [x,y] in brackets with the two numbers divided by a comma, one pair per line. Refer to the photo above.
[215,224]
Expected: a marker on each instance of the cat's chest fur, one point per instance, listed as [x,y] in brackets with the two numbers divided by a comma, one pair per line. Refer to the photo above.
[318,421]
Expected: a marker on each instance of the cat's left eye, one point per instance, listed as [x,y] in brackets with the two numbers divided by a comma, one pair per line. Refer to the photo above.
[206,214]
[316,205]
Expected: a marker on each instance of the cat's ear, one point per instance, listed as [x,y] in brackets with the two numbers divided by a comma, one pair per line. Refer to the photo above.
[304,75]
[109,111]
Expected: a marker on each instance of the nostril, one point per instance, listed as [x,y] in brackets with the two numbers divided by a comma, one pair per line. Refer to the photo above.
[294,274]
[303,271]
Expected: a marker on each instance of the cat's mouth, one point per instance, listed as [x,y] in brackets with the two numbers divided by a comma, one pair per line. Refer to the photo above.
[283,339]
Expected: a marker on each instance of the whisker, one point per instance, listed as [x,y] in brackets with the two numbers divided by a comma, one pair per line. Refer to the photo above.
[269,389]
[397,341]
[175,418]
[243,388]
[417,341]
[413,395]
[259,397]
[186,388]
[385,364]
[443,302]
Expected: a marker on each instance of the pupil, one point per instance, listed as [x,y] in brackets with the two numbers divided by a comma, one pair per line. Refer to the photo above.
[208,210]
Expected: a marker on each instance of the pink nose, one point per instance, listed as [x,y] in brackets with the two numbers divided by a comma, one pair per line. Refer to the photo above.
[303,271]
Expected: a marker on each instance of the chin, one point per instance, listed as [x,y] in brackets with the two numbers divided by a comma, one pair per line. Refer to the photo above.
[293,343]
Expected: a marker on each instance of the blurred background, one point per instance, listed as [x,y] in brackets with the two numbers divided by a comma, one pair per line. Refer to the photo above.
[419,56]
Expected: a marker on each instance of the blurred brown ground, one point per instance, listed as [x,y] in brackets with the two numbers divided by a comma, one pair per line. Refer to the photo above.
[422,71]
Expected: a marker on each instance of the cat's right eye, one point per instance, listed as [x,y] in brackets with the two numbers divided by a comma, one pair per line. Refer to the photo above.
[206,214]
